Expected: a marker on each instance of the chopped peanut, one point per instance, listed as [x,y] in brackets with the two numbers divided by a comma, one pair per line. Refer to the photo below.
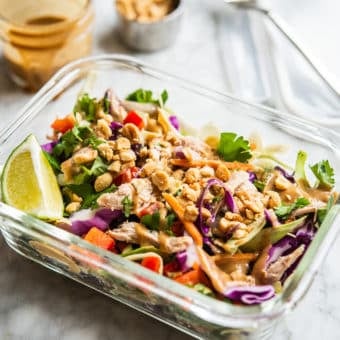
[103,181]
[161,180]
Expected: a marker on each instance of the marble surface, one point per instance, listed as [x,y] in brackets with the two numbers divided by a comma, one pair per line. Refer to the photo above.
[38,304]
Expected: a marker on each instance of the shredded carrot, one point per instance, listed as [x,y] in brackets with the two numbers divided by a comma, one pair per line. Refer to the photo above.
[100,239]
[214,163]
[193,277]
[189,226]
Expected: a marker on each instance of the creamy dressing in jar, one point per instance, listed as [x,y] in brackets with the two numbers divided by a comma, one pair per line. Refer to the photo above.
[40,37]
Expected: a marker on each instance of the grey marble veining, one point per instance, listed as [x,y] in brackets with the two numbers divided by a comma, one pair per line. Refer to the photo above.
[36,303]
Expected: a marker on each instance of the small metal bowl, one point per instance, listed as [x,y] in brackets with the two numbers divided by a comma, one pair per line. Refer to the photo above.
[151,36]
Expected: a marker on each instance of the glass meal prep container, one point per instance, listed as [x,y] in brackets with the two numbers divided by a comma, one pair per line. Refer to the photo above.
[128,282]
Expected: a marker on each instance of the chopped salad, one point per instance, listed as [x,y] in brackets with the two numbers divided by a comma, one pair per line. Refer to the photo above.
[209,214]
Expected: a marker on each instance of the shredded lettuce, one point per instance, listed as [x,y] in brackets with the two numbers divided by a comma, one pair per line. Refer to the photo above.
[322,170]
[300,163]
[272,235]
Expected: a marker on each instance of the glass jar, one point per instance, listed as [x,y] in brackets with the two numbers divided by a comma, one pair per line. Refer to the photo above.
[41,36]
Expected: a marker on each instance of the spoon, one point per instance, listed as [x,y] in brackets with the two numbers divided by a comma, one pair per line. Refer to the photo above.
[283,27]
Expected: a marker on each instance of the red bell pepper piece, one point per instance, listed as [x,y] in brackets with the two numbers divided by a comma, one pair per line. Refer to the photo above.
[151,262]
[63,124]
[134,118]
[126,176]
[149,210]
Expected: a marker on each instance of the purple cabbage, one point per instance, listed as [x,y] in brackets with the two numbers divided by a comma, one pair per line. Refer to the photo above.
[101,220]
[271,218]
[136,147]
[174,122]
[250,295]
[208,245]
[178,152]
[228,200]
[115,127]
[186,258]
[48,147]
[285,174]
[181,258]
[252,176]
[303,236]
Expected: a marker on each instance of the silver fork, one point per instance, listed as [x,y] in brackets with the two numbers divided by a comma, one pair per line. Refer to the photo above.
[286,31]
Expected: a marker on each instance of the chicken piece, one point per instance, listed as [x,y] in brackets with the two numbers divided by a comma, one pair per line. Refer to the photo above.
[116,109]
[133,232]
[273,272]
[198,146]
[276,270]
[171,244]
[126,233]
[236,179]
[114,200]
[143,190]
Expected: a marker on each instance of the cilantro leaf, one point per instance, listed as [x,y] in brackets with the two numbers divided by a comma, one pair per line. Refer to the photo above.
[98,168]
[146,96]
[233,148]
[284,210]
[324,174]
[164,97]
[86,105]
[67,143]
[127,206]
[152,221]
[78,135]
[88,194]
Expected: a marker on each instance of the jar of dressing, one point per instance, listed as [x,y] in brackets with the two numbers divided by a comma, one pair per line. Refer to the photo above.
[41,36]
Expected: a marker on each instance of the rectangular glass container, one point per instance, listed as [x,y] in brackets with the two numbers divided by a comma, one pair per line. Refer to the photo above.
[128,282]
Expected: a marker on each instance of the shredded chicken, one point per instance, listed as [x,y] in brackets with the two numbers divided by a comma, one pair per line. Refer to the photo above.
[114,200]
[133,232]
[118,111]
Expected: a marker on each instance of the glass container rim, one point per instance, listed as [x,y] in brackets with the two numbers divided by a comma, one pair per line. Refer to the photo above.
[248,315]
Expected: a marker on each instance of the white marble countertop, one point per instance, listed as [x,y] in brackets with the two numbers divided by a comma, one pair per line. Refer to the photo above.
[38,304]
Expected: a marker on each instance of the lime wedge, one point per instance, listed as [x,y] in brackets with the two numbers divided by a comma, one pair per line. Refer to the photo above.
[28,182]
